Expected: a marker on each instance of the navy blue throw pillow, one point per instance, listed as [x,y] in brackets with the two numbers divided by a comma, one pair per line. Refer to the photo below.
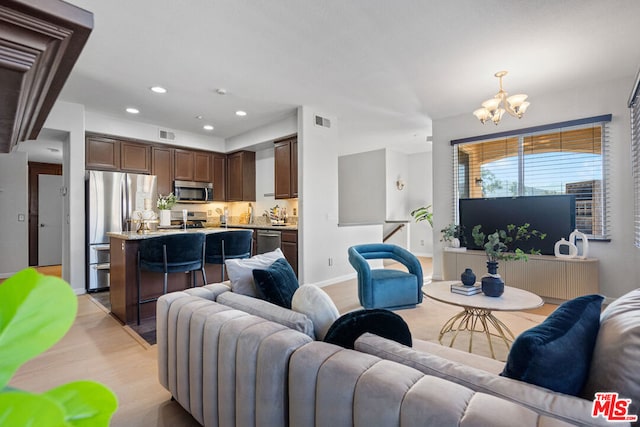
[384,323]
[556,354]
[278,282]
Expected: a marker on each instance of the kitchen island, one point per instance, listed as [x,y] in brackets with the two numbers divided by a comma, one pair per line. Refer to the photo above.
[123,276]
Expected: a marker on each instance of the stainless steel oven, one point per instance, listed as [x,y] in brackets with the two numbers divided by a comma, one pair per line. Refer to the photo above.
[267,241]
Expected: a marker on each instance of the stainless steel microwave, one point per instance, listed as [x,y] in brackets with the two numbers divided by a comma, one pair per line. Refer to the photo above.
[193,192]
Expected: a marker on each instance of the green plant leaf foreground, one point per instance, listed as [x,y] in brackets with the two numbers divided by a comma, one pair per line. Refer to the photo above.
[20,409]
[85,403]
[35,312]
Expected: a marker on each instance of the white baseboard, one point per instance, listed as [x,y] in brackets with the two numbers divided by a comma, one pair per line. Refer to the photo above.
[335,280]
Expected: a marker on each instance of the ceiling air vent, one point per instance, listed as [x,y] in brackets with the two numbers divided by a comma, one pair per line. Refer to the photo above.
[167,135]
[322,121]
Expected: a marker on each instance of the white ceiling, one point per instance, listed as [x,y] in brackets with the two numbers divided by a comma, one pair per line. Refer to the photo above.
[386,67]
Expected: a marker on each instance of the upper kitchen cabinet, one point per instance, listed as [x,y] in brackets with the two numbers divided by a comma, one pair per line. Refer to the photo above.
[241,176]
[192,165]
[184,164]
[286,168]
[102,153]
[41,42]
[162,168]
[135,158]
[202,167]
[219,175]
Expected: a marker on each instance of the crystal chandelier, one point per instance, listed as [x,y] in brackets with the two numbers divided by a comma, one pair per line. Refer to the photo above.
[493,109]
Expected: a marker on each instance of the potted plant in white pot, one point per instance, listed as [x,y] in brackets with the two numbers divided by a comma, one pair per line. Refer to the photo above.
[501,245]
[164,204]
[452,236]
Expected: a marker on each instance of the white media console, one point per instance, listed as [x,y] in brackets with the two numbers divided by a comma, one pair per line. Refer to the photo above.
[550,277]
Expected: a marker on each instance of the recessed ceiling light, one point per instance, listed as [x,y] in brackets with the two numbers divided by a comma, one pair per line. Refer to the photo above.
[207,127]
[199,117]
[132,110]
[241,113]
[221,91]
[158,89]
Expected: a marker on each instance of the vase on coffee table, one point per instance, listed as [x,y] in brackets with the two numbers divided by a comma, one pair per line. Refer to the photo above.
[492,284]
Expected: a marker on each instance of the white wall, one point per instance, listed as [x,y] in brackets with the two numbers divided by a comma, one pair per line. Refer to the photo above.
[619,259]
[281,128]
[320,238]
[397,201]
[361,188]
[14,240]
[69,117]
[420,189]
[118,126]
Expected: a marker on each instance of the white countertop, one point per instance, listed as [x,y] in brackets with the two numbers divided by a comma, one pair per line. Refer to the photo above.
[134,235]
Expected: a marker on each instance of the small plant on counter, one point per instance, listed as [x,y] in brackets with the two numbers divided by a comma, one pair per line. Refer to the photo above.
[166,202]
[501,245]
[36,311]
[423,214]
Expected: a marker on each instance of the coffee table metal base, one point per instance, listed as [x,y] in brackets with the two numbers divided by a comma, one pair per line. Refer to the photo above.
[477,320]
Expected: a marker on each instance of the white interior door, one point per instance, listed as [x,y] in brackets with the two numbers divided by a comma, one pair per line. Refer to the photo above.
[49,219]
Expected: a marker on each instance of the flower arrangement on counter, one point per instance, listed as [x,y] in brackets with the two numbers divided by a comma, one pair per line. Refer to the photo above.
[166,202]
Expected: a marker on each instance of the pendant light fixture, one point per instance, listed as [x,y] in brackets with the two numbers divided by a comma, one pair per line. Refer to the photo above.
[493,109]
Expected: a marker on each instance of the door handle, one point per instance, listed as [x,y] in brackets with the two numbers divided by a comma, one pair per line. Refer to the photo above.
[41,225]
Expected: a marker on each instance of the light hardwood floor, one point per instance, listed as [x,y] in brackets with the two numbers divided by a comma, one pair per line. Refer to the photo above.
[99,348]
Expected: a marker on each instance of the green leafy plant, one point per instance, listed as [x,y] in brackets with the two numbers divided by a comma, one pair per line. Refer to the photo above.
[166,202]
[452,231]
[36,311]
[501,245]
[423,214]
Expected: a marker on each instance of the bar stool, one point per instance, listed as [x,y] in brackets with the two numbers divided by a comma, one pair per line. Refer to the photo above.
[170,254]
[233,244]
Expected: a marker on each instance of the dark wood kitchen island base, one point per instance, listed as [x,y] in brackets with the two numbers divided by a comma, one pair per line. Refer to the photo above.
[123,276]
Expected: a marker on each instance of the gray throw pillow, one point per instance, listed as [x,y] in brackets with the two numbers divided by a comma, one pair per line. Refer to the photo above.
[240,272]
[616,356]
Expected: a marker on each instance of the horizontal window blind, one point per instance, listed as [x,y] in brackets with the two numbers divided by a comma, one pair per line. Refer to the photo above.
[569,160]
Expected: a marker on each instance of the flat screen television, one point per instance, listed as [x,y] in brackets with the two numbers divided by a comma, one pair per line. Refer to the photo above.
[553,215]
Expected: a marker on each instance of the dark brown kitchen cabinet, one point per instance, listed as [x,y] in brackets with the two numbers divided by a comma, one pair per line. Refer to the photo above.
[294,168]
[192,165]
[183,162]
[162,168]
[102,153]
[241,176]
[286,168]
[202,167]
[289,247]
[219,176]
[135,158]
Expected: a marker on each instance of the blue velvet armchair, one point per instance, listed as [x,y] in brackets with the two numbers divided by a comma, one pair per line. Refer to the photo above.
[386,288]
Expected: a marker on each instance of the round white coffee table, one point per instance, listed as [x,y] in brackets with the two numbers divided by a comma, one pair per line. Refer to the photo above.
[476,315]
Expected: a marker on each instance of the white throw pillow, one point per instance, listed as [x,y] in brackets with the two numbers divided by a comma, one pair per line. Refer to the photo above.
[313,302]
[240,271]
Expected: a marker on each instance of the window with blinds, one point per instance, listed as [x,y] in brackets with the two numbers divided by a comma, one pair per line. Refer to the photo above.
[564,158]
[634,105]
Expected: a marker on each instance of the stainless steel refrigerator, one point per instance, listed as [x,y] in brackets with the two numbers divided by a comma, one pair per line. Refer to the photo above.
[111,199]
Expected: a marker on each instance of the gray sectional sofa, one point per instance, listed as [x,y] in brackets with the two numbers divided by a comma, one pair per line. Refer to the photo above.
[232,360]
